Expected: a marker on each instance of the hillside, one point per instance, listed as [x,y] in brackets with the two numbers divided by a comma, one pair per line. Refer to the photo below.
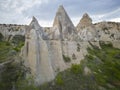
[61,57]
[99,70]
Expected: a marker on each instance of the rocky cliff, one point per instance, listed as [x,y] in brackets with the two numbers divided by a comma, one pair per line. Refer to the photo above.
[10,30]
[50,50]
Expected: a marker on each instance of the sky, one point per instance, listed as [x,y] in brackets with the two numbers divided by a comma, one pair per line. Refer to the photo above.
[21,11]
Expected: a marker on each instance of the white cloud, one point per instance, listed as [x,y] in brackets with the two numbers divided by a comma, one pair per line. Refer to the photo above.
[20,5]
[111,16]
[21,11]
[45,23]
[11,11]
[115,20]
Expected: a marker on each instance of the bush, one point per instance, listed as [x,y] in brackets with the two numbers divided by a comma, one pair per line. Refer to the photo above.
[59,80]
[66,58]
[17,39]
[76,69]
[104,45]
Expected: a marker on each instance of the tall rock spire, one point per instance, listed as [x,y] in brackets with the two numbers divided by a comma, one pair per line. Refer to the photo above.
[86,29]
[37,55]
[84,22]
[35,25]
[63,24]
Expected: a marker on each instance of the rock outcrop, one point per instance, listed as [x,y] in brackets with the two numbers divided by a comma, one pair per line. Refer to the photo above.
[37,57]
[86,29]
[10,30]
[86,21]
[108,31]
[63,27]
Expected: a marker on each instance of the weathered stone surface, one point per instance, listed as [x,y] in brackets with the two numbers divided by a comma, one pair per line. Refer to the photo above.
[86,21]
[37,57]
[103,31]
[35,25]
[108,31]
[55,55]
[63,27]
[86,30]
[10,30]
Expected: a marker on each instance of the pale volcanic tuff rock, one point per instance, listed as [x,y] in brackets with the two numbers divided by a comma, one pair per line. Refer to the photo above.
[35,25]
[108,31]
[63,27]
[36,54]
[86,29]
[10,30]
[84,22]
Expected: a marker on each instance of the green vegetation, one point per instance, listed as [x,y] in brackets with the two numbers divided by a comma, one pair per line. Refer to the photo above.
[6,51]
[76,69]
[13,74]
[104,64]
[66,58]
[9,49]
[59,80]
[18,42]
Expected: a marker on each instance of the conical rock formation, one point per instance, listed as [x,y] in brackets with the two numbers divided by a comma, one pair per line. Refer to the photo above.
[84,22]
[86,29]
[37,57]
[63,26]
[35,25]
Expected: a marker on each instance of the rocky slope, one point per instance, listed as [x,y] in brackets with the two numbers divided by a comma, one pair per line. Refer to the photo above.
[10,30]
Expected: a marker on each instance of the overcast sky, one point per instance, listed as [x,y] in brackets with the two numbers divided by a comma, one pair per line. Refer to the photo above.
[21,11]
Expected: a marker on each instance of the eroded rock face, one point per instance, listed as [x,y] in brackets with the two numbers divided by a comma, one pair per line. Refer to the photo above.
[37,57]
[86,21]
[10,30]
[63,27]
[108,31]
[86,29]
[35,25]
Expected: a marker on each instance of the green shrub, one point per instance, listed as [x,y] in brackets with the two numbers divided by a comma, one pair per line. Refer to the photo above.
[26,84]
[66,58]
[16,49]
[105,45]
[17,39]
[59,80]
[8,44]
[76,69]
